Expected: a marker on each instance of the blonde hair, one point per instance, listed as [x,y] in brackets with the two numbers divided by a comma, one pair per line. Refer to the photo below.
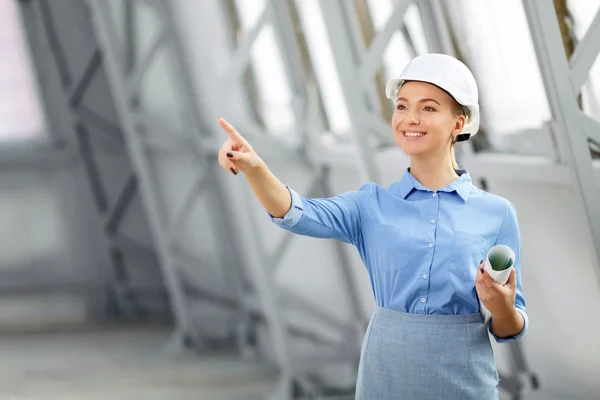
[457,110]
[453,157]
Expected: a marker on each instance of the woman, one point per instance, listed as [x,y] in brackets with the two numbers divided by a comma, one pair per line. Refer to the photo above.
[422,240]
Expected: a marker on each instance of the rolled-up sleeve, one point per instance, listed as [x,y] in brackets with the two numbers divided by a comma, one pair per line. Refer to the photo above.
[292,217]
[510,236]
[337,217]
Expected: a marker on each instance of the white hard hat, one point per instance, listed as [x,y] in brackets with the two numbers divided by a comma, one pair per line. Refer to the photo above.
[449,74]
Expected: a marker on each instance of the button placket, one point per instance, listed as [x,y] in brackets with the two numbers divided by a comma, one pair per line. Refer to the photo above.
[433,230]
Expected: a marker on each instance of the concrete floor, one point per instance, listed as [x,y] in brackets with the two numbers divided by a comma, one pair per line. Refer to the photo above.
[129,364]
[120,364]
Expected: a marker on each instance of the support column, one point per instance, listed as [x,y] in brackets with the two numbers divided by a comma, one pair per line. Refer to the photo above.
[571,128]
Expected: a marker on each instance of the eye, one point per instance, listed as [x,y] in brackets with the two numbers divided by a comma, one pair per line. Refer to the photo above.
[429,108]
[400,107]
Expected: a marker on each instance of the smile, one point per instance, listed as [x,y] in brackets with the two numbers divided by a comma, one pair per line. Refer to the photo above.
[414,134]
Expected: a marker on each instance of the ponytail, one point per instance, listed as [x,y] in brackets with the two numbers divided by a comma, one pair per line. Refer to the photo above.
[458,110]
[453,157]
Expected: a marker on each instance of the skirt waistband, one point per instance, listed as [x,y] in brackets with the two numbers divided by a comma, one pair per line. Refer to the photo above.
[436,319]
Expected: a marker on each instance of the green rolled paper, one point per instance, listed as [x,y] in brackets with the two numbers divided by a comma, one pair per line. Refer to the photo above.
[499,261]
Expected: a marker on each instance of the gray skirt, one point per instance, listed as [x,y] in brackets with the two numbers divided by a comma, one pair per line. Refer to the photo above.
[426,357]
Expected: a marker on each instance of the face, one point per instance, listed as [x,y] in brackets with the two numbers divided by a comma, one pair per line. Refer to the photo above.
[426,119]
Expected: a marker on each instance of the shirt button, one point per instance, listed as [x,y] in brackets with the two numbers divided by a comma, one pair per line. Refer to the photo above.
[423,300]
[424,276]
[435,195]
[430,245]
[433,221]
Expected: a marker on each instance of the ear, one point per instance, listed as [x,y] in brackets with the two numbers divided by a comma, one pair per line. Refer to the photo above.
[461,120]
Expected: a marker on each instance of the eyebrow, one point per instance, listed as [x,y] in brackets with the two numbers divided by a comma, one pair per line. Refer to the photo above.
[422,100]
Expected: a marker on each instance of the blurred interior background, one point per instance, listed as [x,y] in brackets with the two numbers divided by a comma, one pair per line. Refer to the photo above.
[133,266]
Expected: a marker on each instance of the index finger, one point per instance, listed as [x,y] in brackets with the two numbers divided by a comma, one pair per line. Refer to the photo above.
[233,134]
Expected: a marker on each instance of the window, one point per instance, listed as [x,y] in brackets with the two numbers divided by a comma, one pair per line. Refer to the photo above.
[21,116]
[495,39]
[583,12]
[326,74]
[399,51]
[271,81]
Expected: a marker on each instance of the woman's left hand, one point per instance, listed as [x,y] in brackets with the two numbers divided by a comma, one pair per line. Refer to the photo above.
[498,299]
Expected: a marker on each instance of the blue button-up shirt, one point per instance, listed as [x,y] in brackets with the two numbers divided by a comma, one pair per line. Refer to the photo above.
[421,247]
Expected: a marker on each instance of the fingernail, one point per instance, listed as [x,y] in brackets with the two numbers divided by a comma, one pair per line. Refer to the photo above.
[481,270]
[233,171]
[229,155]
[480,261]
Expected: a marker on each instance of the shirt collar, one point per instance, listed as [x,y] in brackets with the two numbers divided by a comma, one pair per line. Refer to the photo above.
[461,185]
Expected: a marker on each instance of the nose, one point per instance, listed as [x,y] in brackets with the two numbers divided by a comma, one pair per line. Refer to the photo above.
[412,118]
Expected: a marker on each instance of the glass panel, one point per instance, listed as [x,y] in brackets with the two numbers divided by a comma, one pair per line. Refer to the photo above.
[399,51]
[273,88]
[21,116]
[497,45]
[583,12]
[321,56]
[249,11]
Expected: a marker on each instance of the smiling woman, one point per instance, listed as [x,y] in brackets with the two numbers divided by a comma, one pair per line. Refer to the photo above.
[422,240]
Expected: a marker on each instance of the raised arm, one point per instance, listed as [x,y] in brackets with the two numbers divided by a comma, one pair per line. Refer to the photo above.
[337,217]
[237,155]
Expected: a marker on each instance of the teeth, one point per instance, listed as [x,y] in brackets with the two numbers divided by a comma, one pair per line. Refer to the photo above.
[414,134]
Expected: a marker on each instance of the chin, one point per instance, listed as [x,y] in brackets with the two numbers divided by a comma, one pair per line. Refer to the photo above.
[412,149]
[411,153]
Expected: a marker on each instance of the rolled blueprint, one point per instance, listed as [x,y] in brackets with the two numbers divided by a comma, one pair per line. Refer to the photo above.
[499,263]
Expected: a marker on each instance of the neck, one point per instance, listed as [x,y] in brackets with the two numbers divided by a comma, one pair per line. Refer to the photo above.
[433,173]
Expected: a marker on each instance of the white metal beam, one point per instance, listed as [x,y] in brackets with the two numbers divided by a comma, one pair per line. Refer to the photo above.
[101,17]
[354,94]
[585,54]
[371,60]
[241,57]
[562,97]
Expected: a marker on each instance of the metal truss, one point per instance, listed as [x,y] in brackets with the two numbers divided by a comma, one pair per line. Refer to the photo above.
[261,303]
[90,112]
[254,294]
[572,130]
[144,132]
[123,298]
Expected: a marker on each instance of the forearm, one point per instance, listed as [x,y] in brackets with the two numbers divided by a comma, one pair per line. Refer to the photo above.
[270,192]
[507,324]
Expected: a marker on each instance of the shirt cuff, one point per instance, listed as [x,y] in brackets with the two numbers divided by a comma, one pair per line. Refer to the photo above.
[294,214]
[514,337]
